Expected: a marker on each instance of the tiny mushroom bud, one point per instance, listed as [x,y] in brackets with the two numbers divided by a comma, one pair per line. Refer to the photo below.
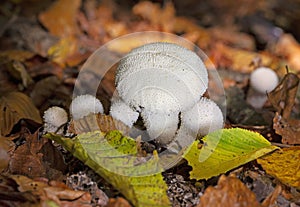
[84,105]
[122,112]
[54,118]
[262,81]
[203,118]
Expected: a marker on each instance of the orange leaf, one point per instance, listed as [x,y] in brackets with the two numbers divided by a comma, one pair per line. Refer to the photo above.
[60,18]
[230,191]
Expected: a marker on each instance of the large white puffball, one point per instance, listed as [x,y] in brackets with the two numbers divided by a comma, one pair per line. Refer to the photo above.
[161,77]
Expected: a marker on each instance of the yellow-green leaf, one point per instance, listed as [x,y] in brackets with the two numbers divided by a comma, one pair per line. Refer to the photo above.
[13,107]
[284,165]
[115,158]
[224,150]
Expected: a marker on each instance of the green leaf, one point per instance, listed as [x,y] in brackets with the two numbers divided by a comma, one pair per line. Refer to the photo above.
[115,157]
[224,150]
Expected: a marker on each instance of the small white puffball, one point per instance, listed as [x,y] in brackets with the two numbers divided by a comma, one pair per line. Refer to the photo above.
[161,126]
[122,112]
[203,118]
[54,117]
[263,80]
[84,105]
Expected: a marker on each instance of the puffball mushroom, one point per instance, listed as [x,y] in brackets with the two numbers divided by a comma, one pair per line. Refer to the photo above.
[160,80]
[262,81]
[161,126]
[54,118]
[122,112]
[161,77]
[83,105]
[203,118]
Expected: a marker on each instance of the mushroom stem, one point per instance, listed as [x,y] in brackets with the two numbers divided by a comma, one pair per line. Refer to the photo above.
[161,126]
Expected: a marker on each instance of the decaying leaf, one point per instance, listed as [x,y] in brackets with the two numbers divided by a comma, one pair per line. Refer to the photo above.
[10,195]
[93,122]
[289,48]
[118,202]
[114,157]
[283,96]
[229,192]
[289,129]
[283,99]
[284,165]
[238,59]
[163,18]
[28,159]
[60,18]
[54,191]
[60,52]
[5,146]
[224,150]
[15,106]
[13,60]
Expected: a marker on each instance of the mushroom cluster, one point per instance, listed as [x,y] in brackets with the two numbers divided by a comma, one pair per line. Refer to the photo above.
[164,84]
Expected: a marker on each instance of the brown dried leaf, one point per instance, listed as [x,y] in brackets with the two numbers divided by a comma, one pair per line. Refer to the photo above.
[118,202]
[60,18]
[27,159]
[11,197]
[289,129]
[53,190]
[6,145]
[163,18]
[234,38]
[238,59]
[289,48]
[16,55]
[230,191]
[283,99]
[44,89]
[93,122]
[15,106]
[283,96]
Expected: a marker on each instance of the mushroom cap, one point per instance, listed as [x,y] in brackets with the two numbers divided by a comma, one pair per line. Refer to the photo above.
[54,117]
[84,105]
[122,112]
[263,80]
[161,126]
[203,118]
[161,77]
